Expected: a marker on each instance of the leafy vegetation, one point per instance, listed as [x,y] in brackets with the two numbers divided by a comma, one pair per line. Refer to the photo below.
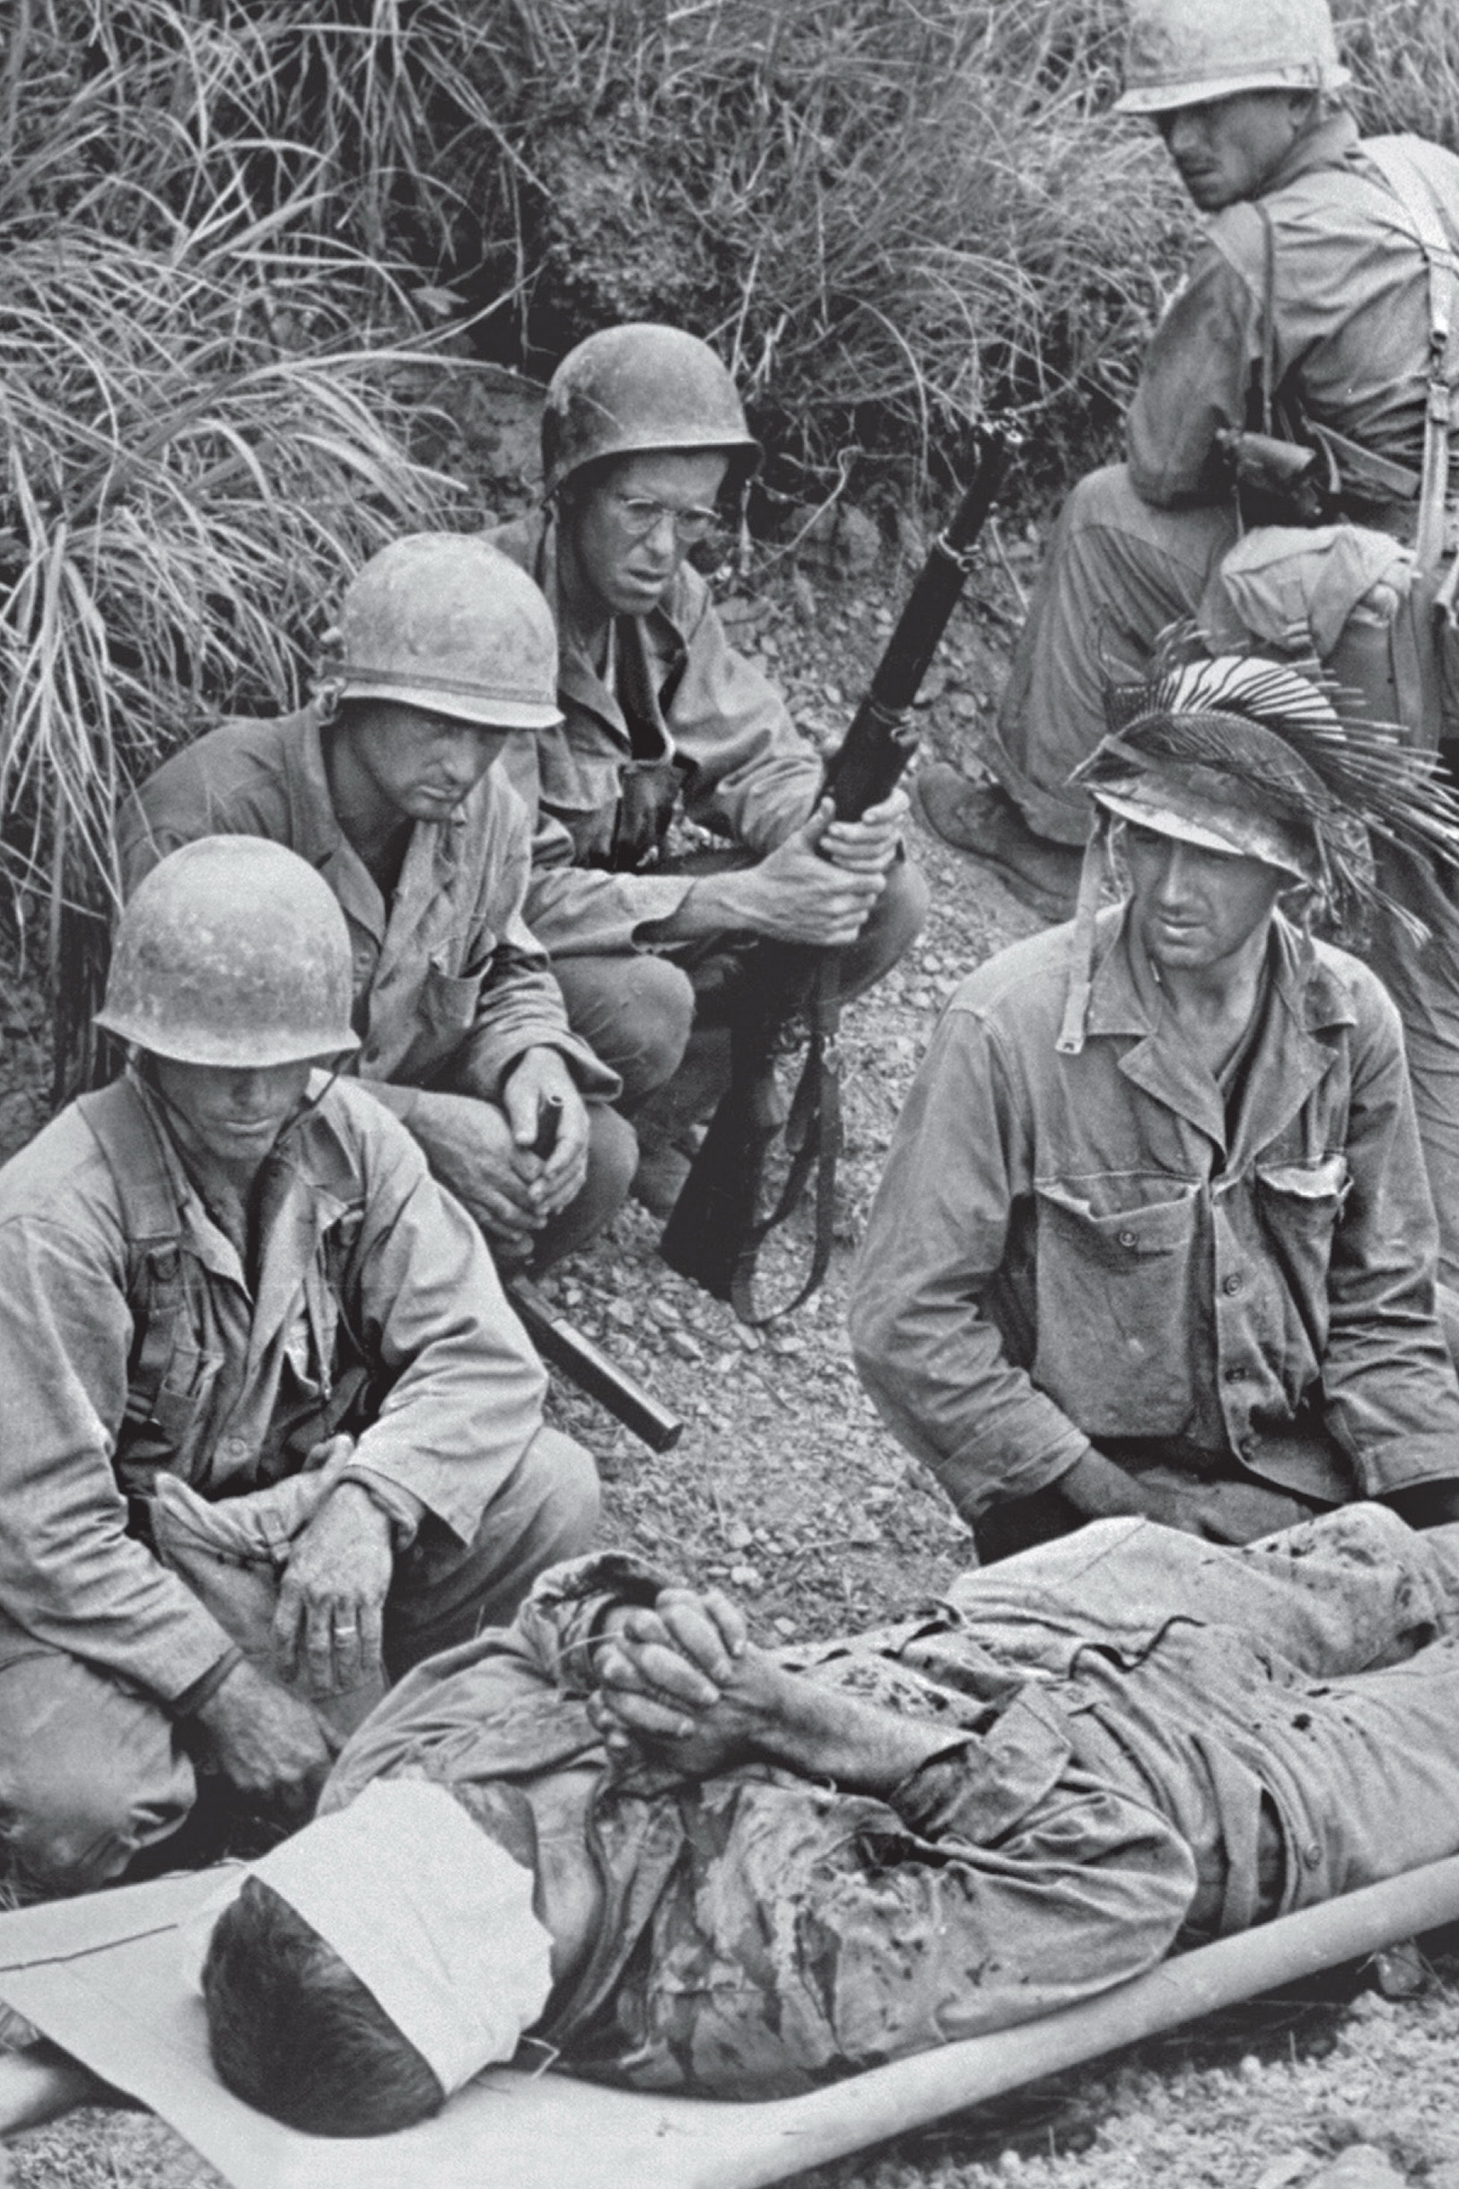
[240,240]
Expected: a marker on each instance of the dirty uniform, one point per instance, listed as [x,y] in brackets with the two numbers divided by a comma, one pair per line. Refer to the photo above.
[1232,1283]
[369,1281]
[1149,1740]
[450,985]
[678,722]
[1137,544]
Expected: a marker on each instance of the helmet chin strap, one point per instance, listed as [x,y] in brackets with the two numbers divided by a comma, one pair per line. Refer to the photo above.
[142,1061]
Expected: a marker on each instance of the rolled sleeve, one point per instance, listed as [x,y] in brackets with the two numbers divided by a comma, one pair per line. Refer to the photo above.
[928,1351]
[1391,1395]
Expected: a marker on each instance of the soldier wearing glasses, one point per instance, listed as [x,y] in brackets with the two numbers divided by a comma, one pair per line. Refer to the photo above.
[643,433]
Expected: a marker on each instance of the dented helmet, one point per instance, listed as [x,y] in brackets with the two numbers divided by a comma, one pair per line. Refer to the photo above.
[1185,52]
[232,952]
[635,388]
[445,621]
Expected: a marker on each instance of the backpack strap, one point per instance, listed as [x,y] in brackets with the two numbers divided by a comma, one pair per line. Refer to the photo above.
[1415,194]
[119,1124]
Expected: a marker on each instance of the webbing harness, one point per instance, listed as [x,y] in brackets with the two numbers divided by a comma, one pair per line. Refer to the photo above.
[156,1293]
[1415,194]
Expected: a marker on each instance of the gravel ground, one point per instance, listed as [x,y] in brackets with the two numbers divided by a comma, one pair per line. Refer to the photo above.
[787,1489]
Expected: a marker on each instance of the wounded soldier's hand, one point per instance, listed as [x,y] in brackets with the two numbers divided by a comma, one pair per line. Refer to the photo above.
[670,1681]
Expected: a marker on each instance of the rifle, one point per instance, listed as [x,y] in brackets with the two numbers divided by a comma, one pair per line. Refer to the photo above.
[716,1229]
[564,1347]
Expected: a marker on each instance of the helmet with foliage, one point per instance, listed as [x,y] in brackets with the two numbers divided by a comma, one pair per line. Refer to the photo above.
[446,622]
[1244,755]
[1184,52]
[635,388]
[232,952]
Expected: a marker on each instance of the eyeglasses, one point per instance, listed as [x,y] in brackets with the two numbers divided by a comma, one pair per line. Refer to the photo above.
[639,516]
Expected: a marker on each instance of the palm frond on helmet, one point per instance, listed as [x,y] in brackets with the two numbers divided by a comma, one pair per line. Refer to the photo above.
[1275,734]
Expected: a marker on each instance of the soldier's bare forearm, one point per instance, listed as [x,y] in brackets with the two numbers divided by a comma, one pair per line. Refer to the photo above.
[827,1734]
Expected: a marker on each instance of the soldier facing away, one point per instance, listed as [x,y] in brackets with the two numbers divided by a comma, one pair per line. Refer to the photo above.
[1312,332]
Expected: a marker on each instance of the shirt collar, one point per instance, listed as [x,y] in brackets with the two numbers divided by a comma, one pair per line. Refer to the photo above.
[1331,143]
[1122,1003]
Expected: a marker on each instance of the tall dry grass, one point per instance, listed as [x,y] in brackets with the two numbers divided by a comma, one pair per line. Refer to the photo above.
[233,233]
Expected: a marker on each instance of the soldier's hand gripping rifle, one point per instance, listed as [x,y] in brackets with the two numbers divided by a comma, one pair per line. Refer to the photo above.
[717,1226]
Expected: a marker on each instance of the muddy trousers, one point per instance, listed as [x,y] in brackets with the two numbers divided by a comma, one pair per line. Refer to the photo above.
[1117,571]
[1326,1664]
[92,1770]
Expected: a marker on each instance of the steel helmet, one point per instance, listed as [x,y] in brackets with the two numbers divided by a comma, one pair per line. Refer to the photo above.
[1183,52]
[445,621]
[638,387]
[233,952]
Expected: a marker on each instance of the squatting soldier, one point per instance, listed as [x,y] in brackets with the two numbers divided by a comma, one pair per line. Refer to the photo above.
[1154,1235]
[444,655]
[642,432]
[232,1288]
[1299,391]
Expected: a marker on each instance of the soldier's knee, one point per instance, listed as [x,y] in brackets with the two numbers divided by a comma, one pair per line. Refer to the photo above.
[74,1813]
[612,1158]
[896,920]
[566,1493]
[655,1016]
[1101,497]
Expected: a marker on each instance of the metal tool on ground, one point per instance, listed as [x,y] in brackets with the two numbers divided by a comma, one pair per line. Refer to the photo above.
[718,1225]
[563,1346]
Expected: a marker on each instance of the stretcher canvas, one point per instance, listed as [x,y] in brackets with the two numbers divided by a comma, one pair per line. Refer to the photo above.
[101,1976]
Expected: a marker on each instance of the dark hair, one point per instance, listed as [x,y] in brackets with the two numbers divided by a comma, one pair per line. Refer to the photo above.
[294,2033]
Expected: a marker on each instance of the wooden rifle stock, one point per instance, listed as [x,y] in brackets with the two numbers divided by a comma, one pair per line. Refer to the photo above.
[714,1233]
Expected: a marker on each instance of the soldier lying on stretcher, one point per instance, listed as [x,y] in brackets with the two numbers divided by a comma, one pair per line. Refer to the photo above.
[683,1862]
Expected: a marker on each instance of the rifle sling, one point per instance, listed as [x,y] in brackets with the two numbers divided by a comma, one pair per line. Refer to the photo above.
[814,1132]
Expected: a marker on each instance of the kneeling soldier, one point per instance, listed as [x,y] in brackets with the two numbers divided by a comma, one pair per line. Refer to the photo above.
[232,1290]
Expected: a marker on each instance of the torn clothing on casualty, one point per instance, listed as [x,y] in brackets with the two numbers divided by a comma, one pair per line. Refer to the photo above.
[1129,1763]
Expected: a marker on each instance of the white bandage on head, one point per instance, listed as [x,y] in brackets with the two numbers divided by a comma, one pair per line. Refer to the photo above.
[432,1916]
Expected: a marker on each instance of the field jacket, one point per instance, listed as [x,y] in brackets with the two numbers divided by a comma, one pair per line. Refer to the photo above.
[363,1262]
[759,1932]
[1350,319]
[450,985]
[686,724]
[1142,1747]
[1076,1249]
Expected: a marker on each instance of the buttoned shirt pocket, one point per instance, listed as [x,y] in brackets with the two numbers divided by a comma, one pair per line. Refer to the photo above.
[182,1402]
[449,1001]
[1116,1296]
[1299,1205]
